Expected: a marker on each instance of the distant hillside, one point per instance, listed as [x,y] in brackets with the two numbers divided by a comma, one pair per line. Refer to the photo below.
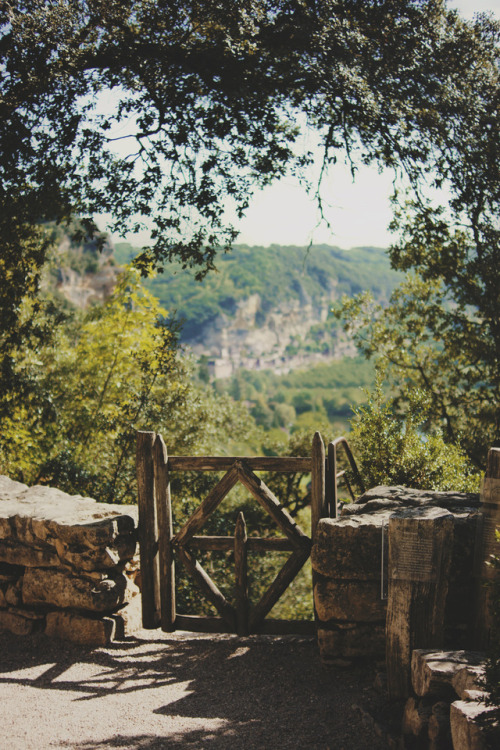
[268,308]
[277,274]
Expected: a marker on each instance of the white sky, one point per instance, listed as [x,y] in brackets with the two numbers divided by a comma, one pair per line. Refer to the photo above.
[359,212]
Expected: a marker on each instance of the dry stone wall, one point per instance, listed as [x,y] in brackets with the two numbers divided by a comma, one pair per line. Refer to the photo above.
[68,565]
[348,557]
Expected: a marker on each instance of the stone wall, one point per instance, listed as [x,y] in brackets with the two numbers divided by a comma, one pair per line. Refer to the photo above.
[68,565]
[347,564]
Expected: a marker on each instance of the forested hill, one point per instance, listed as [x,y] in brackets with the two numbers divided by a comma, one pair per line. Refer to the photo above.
[252,283]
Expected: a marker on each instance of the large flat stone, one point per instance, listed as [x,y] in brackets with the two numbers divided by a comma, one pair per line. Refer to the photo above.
[34,557]
[383,498]
[472,727]
[16,623]
[357,601]
[60,588]
[445,673]
[350,548]
[76,530]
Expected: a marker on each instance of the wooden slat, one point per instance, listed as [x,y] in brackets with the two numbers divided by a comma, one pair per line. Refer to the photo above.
[208,587]
[332,493]
[254,543]
[318,503]
[224,463]
[218,543]
[350,457]
[270,503]
[147,530]
[197,624]
[278,586]
[165,534]
[269,544]
[209,504]
[240,575]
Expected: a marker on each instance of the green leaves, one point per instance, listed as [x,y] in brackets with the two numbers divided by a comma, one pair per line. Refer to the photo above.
[394,448]
[160,112]
[78,394]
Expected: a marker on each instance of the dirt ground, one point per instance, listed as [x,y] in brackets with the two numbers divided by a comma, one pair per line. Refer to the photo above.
[183,691]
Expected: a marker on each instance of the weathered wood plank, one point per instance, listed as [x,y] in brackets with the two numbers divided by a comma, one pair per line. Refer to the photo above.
[331,491]
[352,462]
[240,575]
[318,483]
[147,530]
[254,543]
[486,545]
[278,586]
[209,504]
[420,547]
[269,544]
[208,587]
[272,505]
[197,624]
[224,463]
[165,534]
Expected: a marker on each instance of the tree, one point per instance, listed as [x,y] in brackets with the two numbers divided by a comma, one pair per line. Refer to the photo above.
[393,448]
[169,111]
[81,394]
[426,340]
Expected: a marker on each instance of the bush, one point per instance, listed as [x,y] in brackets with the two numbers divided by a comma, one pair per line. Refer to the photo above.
[393,449]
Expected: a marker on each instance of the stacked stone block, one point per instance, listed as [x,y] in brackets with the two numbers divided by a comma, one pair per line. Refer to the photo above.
[347,563]
[67,565]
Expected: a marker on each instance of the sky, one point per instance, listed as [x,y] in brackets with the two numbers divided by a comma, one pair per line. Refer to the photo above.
[358,212]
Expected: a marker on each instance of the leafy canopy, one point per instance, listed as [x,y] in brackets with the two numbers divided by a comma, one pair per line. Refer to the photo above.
[170,112]
[81,393]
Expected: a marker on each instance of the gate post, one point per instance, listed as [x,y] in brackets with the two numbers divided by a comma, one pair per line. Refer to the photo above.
[318,483]
[165,533]
[147,530]
[240,575]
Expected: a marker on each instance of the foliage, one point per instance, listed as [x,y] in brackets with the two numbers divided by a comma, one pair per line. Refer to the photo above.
[392,449]
[427,340]
[70,419]
[170,113]
[440,332]
[278,274]
[320,397]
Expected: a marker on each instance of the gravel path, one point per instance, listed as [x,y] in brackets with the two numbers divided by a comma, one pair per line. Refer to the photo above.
[182,691]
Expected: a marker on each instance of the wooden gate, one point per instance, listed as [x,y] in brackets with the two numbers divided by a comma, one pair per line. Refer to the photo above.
[160,545]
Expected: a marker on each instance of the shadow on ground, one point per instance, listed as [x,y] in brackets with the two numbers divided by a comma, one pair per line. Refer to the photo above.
[187,691]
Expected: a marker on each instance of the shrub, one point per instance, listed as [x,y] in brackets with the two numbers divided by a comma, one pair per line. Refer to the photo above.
[393,449]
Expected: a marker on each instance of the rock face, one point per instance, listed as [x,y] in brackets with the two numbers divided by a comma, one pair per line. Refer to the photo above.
[67,564]
[349,559]
[253,339]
